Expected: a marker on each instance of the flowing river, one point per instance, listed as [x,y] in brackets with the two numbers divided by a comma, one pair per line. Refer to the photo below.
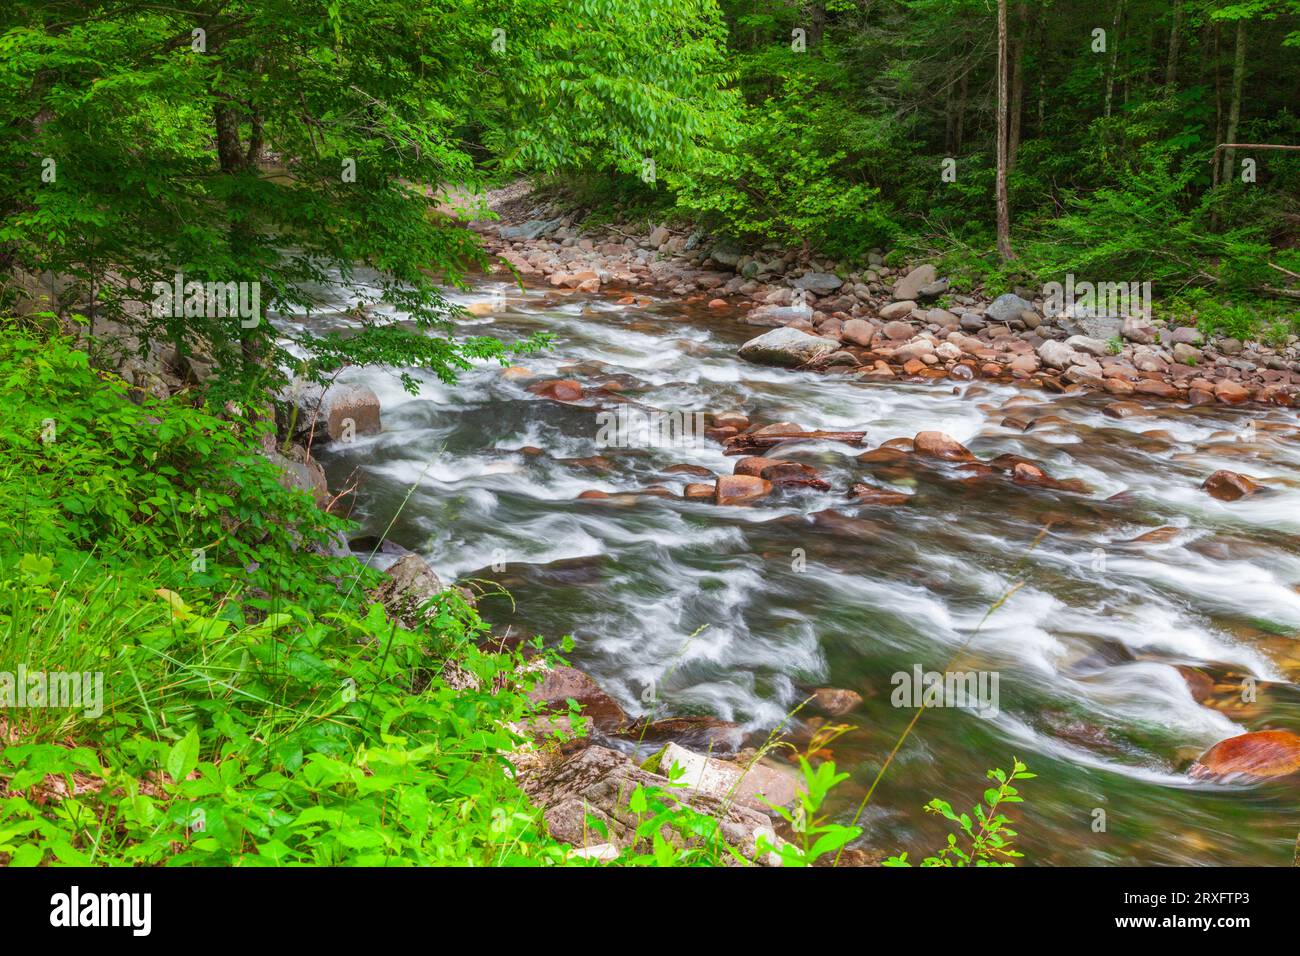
[1119,657]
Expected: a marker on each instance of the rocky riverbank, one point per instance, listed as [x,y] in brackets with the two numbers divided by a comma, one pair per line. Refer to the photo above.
[884,323]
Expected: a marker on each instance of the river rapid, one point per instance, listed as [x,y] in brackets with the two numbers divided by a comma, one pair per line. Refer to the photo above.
[1118,658]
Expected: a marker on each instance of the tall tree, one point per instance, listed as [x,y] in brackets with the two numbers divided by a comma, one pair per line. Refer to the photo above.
[1003,203]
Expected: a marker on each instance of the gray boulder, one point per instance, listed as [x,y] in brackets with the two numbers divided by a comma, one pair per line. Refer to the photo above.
[1007,307]
[786,347]
[910,286]
[818,283]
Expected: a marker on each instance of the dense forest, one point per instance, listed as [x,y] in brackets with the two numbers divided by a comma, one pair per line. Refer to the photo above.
[225,222]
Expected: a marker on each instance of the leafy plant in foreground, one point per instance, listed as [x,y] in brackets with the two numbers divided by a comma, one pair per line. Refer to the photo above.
[986,829]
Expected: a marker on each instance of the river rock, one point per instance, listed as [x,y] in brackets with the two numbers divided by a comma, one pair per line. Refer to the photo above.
[1261,755]
[408,586]
[834,701]
[1229,486]
[1139,330]
[1125,410]
[751,783]
[916,349]
[818,283]
[562,684]
[778,315]
[754,465]
[298,469]
[897,310]
[858,332]
[1230,392]
[910,286]
[786,347]
[940,445]
[560,390]
[1056,355]
[1186,334]
[741,489]
[530,230]
[1084,343]
[1007,307]
[598,782]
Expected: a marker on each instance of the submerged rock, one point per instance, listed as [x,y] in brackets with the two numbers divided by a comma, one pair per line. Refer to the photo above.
[941,445]
[741,489]
[1229,486]
[1261,755]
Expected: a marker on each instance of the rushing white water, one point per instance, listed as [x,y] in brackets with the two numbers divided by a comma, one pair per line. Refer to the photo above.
[711,607]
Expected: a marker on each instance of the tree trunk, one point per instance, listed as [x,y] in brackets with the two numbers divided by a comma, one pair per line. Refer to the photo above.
[1218,98]
[1003,206]
[1114,57]
[1175,38]
[1234,109]
[1017,86]
[963,90]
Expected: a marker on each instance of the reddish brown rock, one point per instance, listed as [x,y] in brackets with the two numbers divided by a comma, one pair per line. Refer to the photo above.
[564,683]
[940,445]
[560,390]
[698,491]
[1229,486]
[740,489]
[731,420]
[834,701]
[1231,393]
[698,471]
[1161,389]
[1261,755]
[779,472]
[871,495]
[754,465]
[1124,410]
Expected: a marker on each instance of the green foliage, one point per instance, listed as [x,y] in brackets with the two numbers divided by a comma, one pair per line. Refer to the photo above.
[986,830]
[785,179]
[817,836]
[1215,315]
[256,709]
[293,144]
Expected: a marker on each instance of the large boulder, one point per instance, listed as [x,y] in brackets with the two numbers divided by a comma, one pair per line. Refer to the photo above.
[1258,756]
[530,230]
[562,684]
[912,284]
[408,586]
[818,283]
[1007,307]
[299,470]
[1229,486]
[940,445]
[787,347]
[1056,354]
[351,410]
[339,413]
[740,489]
[750,782]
